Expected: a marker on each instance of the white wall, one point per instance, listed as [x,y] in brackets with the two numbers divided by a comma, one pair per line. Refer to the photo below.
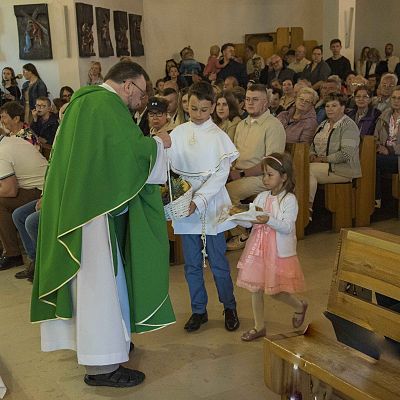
[377,23]
[62,69]
[59,70]
[336,22]
[130,6]
[171,25]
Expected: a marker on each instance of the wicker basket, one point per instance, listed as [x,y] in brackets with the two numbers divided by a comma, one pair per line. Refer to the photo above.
[178,208]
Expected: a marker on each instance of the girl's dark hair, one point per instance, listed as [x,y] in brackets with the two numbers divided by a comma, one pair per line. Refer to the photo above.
[13,78]
[281,162]
[203,91]
[181,112]
[66,88]
[232,105]
[31,68]
[171,60]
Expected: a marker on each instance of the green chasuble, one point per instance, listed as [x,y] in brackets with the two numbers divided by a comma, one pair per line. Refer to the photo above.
[100,164]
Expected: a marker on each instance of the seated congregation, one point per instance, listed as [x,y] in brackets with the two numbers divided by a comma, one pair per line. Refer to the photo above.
[272,132]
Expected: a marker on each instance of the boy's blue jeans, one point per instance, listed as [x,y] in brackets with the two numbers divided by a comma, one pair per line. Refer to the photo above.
[216,248]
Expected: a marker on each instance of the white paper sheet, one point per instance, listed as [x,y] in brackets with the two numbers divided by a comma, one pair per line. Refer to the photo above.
[3,388]
[245,218]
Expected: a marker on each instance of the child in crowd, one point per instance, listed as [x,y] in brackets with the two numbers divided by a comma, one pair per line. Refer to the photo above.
[159,86]
[213,66]
[257,68]
[202,154]
[269,262]
[189,66]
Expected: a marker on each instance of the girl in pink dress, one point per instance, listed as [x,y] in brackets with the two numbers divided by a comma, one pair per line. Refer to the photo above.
[269,262]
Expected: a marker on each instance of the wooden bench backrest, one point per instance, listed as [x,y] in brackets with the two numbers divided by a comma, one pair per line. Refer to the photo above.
[45,149]
[265,49]
[309,45]
[301,166]
[296,37]
[240,51]
[370,259]
[365,186]
[282,38]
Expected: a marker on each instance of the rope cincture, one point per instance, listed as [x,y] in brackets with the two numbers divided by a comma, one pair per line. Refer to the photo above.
[204,237]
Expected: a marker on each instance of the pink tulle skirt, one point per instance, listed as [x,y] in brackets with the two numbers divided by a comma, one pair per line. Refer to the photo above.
[260,268]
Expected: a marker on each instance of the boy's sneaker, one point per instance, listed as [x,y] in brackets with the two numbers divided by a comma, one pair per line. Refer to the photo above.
[237,242]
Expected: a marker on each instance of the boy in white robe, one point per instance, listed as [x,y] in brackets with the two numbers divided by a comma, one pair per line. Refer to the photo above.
[202,153]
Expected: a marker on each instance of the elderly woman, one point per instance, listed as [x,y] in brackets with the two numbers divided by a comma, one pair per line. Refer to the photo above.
[226,114]
[157,115]
[300,121]
[388,137]
[363,114]
[334,152]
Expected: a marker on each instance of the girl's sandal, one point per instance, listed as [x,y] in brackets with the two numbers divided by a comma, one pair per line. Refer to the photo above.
[253,334]
[298,317]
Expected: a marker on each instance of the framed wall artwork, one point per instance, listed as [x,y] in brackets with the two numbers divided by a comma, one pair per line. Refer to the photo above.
[103,32]
[33,32]
[84,23]
[137,48]
[121,33]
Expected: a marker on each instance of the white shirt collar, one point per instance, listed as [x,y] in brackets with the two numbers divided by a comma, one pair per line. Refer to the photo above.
[108,87]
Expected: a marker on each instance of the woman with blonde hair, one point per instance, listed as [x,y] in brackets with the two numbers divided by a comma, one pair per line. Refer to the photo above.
[94,75]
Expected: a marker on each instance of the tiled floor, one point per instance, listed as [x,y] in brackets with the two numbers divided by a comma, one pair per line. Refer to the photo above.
[209,364]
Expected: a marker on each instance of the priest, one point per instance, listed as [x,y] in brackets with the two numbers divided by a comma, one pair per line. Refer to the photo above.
[102,258]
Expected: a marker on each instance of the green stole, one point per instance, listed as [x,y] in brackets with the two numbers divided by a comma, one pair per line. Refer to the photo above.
[99,165]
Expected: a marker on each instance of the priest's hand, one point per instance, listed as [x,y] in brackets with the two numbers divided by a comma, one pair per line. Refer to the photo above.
[164,136]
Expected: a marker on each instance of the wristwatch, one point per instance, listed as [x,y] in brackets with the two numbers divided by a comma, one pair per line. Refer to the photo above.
[242,174]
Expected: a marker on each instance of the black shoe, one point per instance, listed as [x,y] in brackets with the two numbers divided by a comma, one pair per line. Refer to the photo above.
[231,319]
[195,321]
[30,276]
[27,272]
[9,262]
[121,377]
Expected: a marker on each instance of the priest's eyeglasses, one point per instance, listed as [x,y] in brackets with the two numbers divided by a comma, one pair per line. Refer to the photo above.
[143,94]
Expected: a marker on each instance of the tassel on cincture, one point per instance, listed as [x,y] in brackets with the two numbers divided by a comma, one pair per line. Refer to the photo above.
[204,238]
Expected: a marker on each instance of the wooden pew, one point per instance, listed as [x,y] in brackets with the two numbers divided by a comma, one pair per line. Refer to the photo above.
[301,165]
[354,200]
[45,149]
[365,186]
[396,190]
[240,51]
[365,258]
[265,49]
